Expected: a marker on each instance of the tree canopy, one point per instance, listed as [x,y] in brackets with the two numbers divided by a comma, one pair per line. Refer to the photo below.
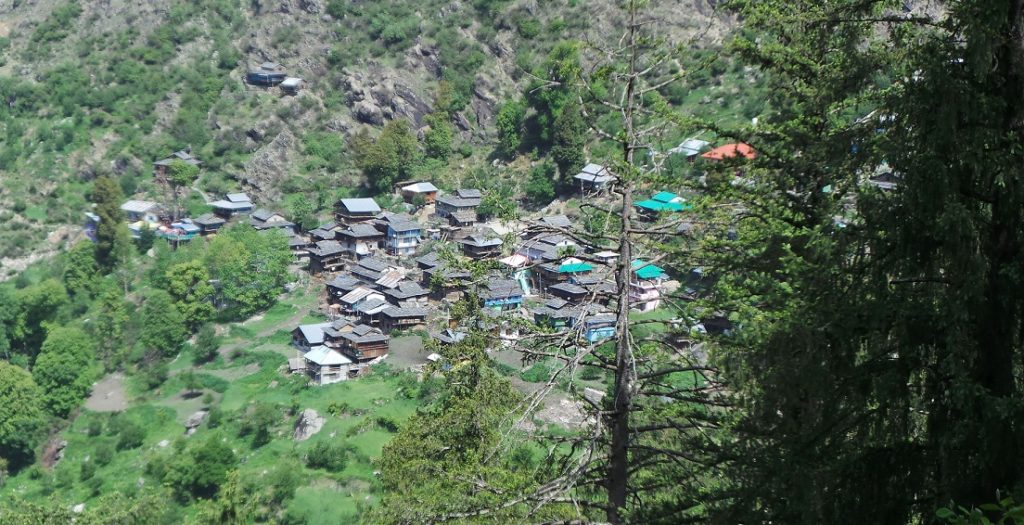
[65,369]
[21,414]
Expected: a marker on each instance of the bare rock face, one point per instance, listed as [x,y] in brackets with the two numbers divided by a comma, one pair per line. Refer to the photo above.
[369,113]
[269,164]
[309,424]
[313,7]
[194,421]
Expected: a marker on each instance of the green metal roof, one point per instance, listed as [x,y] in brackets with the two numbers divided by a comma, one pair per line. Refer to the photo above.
[653,205]
[575,268]
[664,196]
[646,270]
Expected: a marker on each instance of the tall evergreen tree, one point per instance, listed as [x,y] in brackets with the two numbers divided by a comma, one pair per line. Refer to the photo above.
[569,138]
[111,232]
[877,333]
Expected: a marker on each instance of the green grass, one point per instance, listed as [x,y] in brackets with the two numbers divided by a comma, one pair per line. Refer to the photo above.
[36,213]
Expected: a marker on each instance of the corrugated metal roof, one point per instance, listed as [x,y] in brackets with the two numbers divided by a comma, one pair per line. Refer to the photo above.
[314,333]
[420,187]
[139,206]
[238,197]
[323,356]
[360,205]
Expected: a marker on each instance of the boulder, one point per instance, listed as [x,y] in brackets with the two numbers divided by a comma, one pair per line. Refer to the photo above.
[369,113]
[309,423]
[194,421]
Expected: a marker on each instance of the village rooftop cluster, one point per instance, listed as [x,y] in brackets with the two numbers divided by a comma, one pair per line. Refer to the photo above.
[386,272]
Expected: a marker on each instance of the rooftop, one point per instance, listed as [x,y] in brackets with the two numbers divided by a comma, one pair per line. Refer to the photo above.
[690,147]
[420,187]
[359,205]
[324,356]
[646,270]
[139,206]
[396,312]
[730,151]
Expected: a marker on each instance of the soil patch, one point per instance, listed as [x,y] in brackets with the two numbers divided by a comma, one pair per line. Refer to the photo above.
[108,395]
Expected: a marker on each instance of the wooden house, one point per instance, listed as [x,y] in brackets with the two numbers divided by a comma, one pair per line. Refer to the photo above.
[370,311]
[360,295]
[350,211]
[325,232]
[326,256]
[448,336]
[307,336]
[403,318]
[262,219]
[502,294]
[364,344]
[460,208]
[689,148]
[407,293]
[339,286]
[559,272]
[481,246]
[185,155]
[209,223]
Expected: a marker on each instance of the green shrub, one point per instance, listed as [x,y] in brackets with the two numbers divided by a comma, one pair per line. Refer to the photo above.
[327,455]
[103,454]
[538,373]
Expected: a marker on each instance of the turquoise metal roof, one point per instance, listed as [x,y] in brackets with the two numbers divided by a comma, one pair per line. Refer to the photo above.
[664,196]
[646,270]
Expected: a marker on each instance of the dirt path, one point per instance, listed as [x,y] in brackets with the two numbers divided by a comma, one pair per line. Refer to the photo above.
[108,395]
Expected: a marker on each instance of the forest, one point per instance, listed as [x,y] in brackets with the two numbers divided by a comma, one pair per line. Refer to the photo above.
[842,341]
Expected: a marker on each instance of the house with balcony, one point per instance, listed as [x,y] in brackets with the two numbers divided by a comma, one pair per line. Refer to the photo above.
[502,294]
[402,237]
[645,286]
[351,301]
[363,344]
[326,256]
[326,366]
[407,293]
[145,211]
[403,318]
[481,245]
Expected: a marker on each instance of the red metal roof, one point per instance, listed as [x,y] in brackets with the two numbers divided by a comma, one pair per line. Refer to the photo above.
[730,151]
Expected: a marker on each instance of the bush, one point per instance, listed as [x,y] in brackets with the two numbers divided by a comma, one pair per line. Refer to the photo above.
[329,456]
[103,454]
[94,428]
[538,373]
[87,470]
[130,435]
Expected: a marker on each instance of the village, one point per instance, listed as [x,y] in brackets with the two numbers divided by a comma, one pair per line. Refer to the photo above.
[394,272]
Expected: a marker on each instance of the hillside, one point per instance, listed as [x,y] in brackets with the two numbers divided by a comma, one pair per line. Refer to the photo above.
[109,86]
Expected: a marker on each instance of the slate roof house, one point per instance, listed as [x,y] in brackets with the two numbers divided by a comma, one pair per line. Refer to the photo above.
[364,344]
[232,205]
[560,271]
[402,318]
[351,211]
[502,294]
[360,240]
[407,293]
[209,223]
[326,256]
[325,232]
[185,155]
[481,245]
[370,269]
[263,219]
[449,336]
[339,286]
[594,178]
[460,208]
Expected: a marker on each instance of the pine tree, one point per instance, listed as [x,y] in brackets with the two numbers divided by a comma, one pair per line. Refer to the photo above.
[111,232]
[569,139]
